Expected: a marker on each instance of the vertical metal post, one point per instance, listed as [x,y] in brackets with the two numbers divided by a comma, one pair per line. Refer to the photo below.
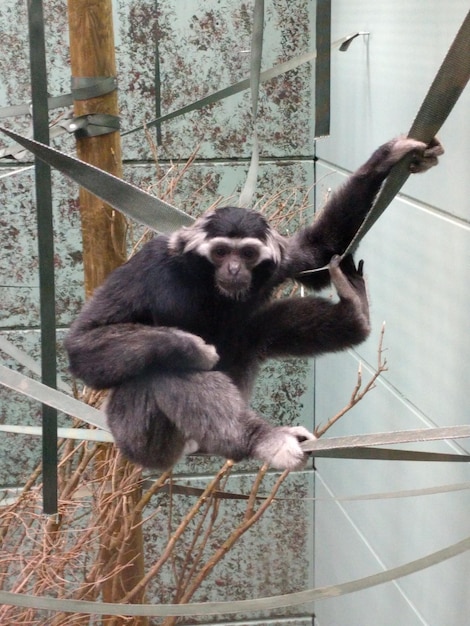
[158,83]
[322,68]
[45,251]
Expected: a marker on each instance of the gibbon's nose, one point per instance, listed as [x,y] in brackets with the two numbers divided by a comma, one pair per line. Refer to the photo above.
[234,268]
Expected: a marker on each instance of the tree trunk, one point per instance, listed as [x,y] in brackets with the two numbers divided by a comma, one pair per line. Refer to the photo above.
[103,228]
[92,55]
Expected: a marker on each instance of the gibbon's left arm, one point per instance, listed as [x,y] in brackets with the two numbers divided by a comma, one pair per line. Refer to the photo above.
[338,221]
[311,326]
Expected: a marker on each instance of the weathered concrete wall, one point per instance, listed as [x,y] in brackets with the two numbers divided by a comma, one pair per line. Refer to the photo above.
[202,46]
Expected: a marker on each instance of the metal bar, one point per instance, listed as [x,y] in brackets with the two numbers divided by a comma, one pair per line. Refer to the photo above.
[45,250]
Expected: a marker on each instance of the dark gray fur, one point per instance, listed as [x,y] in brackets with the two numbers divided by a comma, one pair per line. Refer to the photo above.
[178,337]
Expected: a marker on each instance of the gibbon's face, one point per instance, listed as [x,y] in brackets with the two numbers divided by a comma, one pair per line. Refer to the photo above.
[235,241]
[234,261]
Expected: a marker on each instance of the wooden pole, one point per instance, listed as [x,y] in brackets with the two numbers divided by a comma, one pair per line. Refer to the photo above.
[103,228]
[92,55]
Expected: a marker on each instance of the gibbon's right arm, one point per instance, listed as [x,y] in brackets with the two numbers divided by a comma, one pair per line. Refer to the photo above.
[112,340]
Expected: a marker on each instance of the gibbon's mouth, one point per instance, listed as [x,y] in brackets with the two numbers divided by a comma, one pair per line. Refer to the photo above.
[233,290]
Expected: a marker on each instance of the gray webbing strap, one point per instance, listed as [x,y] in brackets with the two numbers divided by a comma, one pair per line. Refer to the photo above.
[237,606]
[354,447]
[55,102]
[121,195]
[388,438]
[51,397]
[82,89]
[390,454]
[86,87]
[242,85]
[450,81]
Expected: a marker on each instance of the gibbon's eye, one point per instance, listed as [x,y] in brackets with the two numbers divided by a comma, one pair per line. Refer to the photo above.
[220,252]
[249,253]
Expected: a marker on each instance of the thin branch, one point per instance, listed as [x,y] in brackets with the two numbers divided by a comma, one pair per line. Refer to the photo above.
[235,535]
[358,392]
[141,585]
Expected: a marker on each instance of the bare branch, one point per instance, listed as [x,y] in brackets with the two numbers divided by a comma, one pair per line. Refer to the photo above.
[358,392]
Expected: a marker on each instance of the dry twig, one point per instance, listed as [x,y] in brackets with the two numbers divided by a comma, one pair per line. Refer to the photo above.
[359,392]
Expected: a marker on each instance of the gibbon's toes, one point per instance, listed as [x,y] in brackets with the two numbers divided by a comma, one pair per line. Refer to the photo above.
[335,261]
[282,450]
[301,433]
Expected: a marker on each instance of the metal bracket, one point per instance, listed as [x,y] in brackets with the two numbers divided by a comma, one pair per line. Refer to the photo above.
[349,39]
[92,125]
[86,87]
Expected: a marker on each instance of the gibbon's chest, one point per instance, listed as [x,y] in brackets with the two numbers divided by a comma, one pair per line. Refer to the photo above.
[218,320]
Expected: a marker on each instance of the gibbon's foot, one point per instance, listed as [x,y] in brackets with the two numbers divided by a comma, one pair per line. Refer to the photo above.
[206,354]
[281,448]
[351,286]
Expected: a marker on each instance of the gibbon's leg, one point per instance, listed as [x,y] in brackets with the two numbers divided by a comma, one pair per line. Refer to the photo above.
[144,436]
[155,417]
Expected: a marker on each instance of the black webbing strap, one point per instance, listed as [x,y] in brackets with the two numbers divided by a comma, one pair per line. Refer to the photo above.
[450,81]
[46,252]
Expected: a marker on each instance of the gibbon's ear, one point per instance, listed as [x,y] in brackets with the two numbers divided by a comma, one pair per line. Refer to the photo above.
[188,238]
[278,245]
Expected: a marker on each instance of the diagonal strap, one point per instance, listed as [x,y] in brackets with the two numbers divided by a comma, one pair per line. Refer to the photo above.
[121,195]
[51,397]
[450,81]
[389,438]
